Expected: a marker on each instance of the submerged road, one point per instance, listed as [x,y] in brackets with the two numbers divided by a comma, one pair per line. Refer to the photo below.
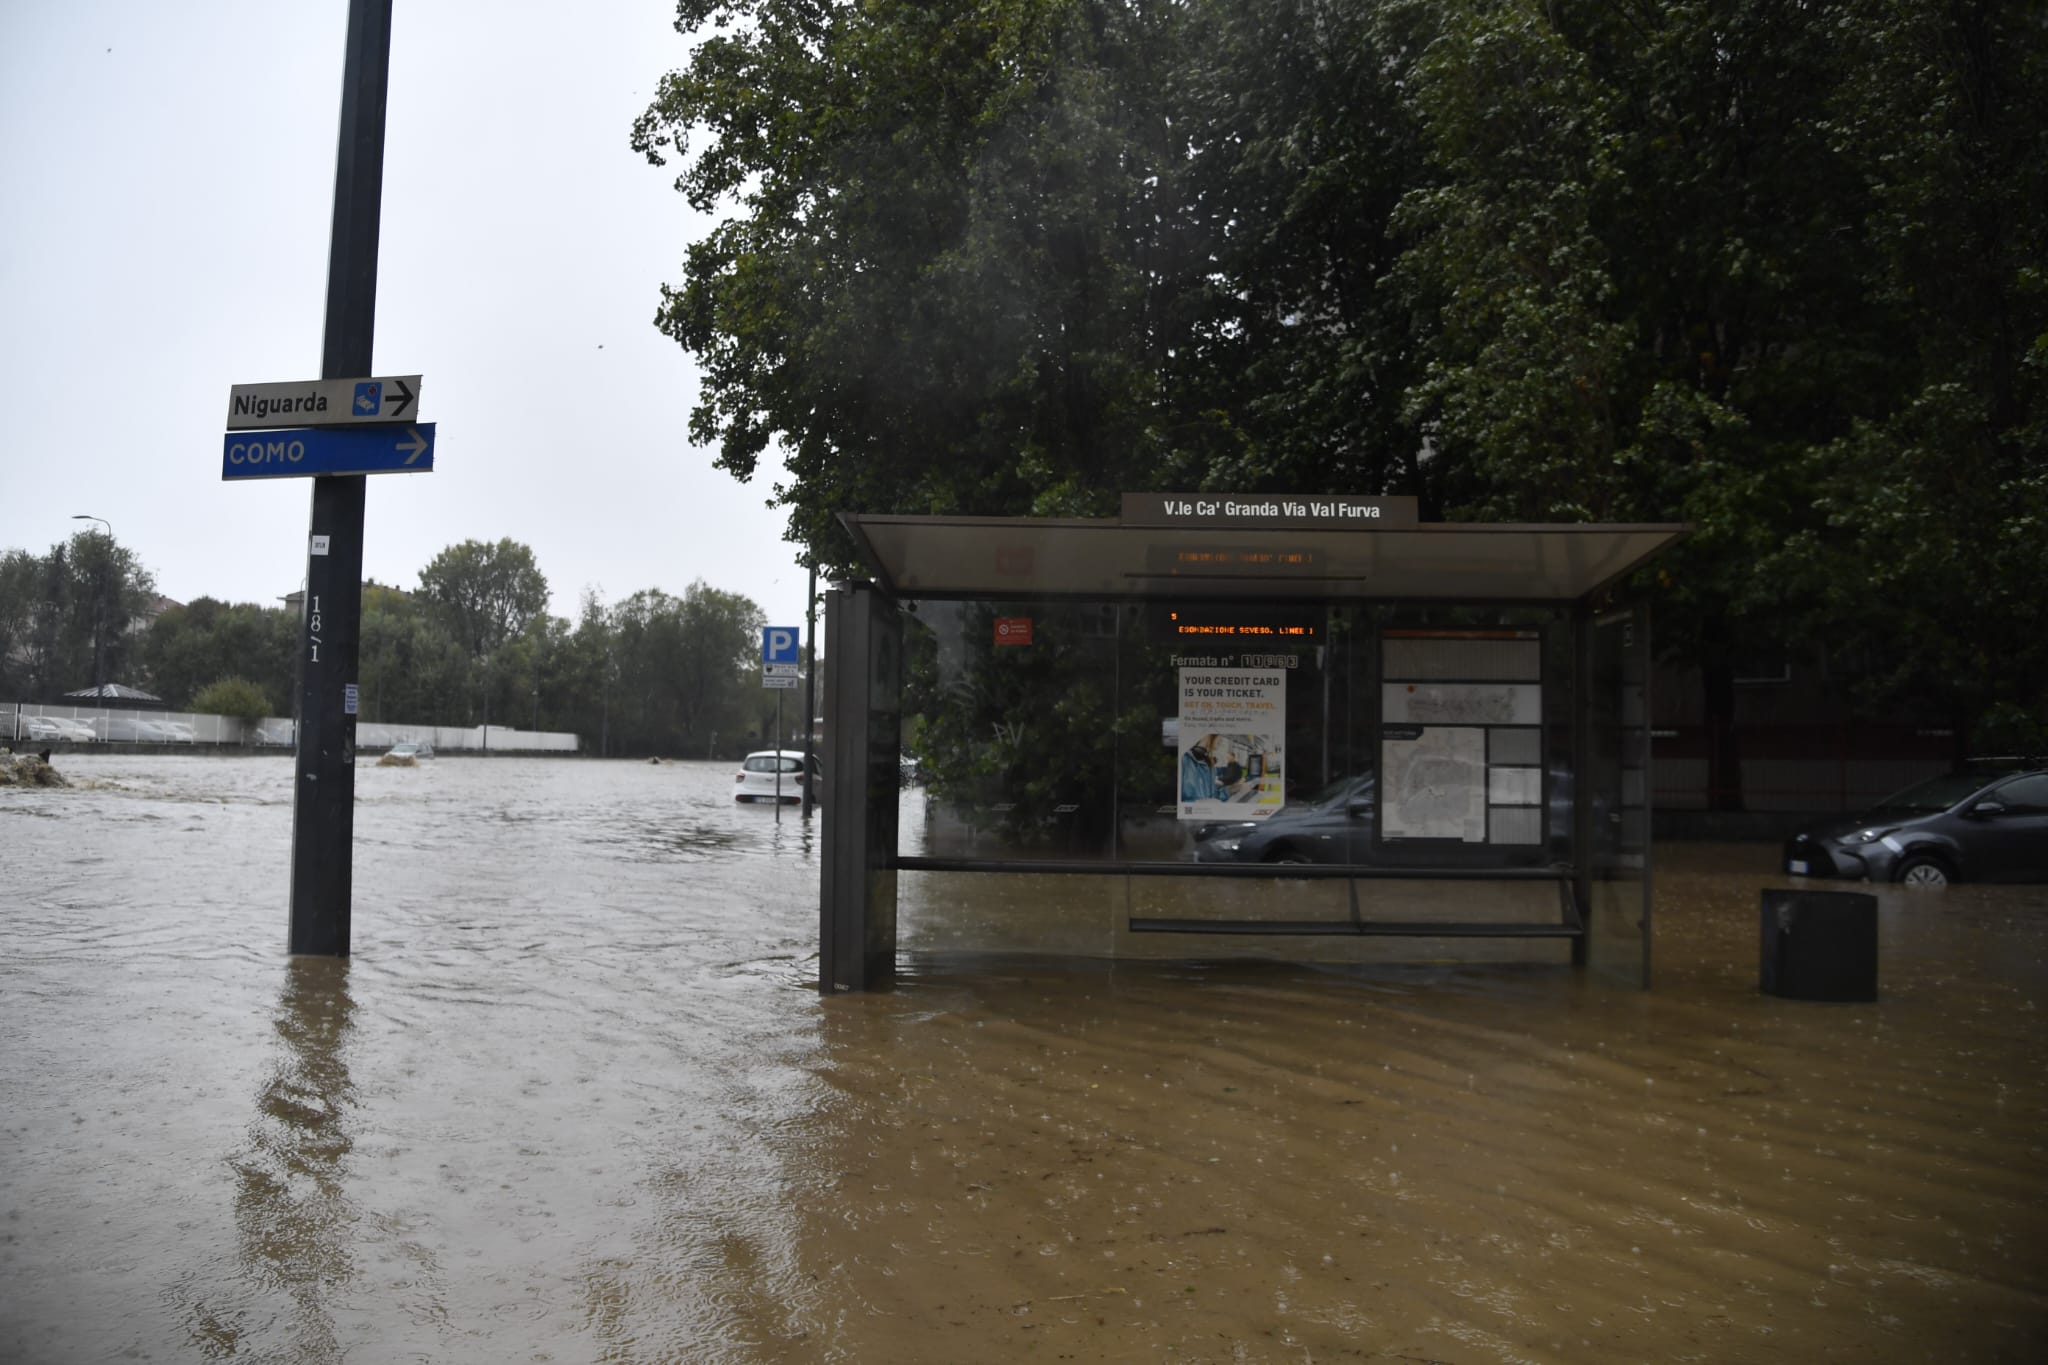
[574,1098]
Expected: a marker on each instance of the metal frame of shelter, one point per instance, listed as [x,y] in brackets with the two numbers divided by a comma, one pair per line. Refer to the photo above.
[1412,603]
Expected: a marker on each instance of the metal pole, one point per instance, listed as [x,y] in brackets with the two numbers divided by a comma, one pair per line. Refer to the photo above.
[778,755]
[324,794]
[810,685]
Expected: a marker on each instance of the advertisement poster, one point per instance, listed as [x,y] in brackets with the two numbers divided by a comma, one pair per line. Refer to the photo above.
[1231,736]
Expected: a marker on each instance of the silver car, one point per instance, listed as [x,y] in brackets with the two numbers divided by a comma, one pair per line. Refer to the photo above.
[55,730]
[41,730]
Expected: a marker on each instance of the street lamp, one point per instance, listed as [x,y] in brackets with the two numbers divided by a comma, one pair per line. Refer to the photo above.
[99,609]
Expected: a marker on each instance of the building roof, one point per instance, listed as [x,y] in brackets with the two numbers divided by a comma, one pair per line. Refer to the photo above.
[113,692]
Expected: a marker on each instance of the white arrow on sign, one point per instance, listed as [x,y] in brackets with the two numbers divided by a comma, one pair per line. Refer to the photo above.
[414,448]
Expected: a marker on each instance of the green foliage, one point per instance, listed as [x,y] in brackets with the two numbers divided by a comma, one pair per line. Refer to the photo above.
[654,674]
[188,648]
[1020,731]
[683,674]
[69,614]
[1778,271]
[233,697]
[486,594]
[937,298]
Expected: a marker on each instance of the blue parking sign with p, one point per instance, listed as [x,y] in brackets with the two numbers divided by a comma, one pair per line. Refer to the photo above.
[778,644]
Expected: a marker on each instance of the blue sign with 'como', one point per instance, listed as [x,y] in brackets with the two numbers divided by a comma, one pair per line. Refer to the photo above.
[298,451]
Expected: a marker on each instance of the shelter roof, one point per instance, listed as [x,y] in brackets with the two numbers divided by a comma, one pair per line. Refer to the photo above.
[1465,561]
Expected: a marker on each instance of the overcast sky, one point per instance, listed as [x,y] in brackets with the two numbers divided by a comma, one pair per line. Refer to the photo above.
[166,187]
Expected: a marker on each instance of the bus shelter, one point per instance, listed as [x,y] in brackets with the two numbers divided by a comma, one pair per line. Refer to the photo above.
[1309,721]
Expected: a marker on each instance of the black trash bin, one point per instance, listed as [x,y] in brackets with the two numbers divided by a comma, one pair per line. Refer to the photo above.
[1819,945]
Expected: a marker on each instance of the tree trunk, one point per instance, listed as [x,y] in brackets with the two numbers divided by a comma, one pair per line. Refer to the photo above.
[1724,742]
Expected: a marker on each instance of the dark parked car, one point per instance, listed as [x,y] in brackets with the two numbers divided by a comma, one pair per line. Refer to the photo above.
[1336,826]
[1971,827]
[1326,830]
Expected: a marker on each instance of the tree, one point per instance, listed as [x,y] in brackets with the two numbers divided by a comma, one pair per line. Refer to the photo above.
[192,646]
[70,613]
[20,579]
[1702,263]
[232,697]
[486,593]
[415,669]
[109,593]
[1933,540]
[937,295]
[683,668]
[1291,356]
[1773,270]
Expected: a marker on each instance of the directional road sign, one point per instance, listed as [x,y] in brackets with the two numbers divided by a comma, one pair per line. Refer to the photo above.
[778,644]
[403,449]
[781,680]
[323,402]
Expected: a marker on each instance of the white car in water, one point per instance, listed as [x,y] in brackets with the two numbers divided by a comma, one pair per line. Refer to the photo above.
[55,730]
[768,773]
[134,730]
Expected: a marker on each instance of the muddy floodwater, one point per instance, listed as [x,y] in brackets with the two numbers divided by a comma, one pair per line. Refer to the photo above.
[575,1098]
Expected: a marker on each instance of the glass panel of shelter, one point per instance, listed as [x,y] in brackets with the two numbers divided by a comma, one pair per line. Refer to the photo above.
[1010,708]
[1190,732]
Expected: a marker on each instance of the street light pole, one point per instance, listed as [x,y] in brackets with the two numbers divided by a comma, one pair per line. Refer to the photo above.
[99,612]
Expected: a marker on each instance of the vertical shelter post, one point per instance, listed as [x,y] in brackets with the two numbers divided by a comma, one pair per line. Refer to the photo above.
[810,689]
[857,881]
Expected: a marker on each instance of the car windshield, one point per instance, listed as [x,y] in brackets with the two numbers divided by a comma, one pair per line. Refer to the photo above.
[1353,787]
[1938,793]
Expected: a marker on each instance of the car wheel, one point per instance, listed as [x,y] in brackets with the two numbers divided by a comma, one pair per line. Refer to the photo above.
[1291,857]
[1924,871]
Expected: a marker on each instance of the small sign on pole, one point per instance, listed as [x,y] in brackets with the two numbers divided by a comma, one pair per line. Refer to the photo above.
[323,402]
[302,452]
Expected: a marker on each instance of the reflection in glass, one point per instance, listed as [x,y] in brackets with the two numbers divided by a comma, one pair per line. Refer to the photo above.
[1015,742]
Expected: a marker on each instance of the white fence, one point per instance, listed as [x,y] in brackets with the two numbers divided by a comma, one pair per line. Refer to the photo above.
[188,727]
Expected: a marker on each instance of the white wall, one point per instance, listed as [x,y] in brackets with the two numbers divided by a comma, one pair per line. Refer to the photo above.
[370,737]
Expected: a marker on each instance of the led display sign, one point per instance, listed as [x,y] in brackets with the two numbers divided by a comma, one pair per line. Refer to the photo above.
[1236,625]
